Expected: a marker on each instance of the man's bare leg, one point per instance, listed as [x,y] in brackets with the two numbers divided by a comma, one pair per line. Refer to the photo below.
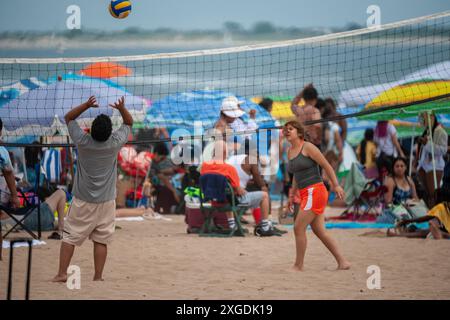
[65,256]
[100,253]
[400,233]
[57,201]
[265,206]
[129,212]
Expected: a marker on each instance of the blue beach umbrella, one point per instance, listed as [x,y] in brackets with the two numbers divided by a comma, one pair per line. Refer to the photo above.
[181,110]
[13,90]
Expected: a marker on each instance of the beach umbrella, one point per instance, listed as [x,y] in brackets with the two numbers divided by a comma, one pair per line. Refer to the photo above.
[181,110]
[358,97]
[39,111]
[13,90]
[105,70]
[408,94]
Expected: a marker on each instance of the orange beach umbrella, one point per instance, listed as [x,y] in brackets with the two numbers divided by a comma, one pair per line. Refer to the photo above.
[105,70]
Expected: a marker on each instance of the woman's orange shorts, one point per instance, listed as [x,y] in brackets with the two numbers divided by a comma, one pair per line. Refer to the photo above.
[313,197]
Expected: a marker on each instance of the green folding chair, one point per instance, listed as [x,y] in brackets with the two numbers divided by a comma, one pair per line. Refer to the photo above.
[209,206]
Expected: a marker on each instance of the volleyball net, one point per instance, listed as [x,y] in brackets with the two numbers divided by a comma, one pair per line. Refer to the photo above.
[366,72]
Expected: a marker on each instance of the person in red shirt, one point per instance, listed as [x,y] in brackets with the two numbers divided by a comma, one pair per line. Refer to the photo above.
[254,199]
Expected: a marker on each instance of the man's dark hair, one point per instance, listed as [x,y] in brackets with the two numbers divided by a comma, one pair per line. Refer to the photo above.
[310,94]
[1,124]
[266,103]
[161,149]
[101,128]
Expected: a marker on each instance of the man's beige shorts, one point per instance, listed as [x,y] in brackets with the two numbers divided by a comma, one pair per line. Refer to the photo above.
[93,220]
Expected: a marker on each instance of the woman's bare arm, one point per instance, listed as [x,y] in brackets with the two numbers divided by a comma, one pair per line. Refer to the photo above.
[389,194]
[397,146]
[339,146]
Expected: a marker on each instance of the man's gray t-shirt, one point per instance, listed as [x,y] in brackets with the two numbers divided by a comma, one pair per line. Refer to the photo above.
[95,180]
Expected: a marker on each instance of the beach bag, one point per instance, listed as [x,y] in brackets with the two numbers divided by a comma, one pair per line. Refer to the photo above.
[417,210]
[400,212]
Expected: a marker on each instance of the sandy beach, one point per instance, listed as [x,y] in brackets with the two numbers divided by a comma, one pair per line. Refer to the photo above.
[156,259]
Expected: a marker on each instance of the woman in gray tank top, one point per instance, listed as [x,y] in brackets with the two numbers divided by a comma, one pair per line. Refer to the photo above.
[309,192]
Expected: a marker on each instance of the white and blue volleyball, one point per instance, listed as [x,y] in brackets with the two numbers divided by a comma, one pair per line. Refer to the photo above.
[120,8]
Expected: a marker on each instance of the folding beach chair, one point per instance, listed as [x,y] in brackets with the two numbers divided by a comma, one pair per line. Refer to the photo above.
[217,195]
[362,196]
[10,272]
[30,202]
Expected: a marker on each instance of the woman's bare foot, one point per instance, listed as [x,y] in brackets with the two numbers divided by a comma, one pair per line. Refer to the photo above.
[297,268]
[60,278]
[344,266]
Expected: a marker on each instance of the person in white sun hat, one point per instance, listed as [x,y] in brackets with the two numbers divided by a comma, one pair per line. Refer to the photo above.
[230,120]
[229,112]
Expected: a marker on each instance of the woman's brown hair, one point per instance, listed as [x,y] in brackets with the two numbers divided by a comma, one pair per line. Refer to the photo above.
[297,125]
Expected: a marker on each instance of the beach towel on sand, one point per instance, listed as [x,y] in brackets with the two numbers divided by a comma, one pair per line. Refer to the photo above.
[6,244]
[362,225]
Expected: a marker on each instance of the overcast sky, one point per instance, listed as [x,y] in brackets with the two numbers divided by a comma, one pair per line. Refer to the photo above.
[209,14]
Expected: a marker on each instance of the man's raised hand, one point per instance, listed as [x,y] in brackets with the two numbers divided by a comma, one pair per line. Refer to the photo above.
[120,104]
[92,102]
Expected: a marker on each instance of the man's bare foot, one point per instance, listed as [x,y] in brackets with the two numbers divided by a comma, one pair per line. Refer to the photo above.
[98,279]
[60,278]
[344,266]
[297,268]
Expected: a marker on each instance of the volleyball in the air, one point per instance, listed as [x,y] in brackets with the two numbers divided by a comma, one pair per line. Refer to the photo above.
[120,8]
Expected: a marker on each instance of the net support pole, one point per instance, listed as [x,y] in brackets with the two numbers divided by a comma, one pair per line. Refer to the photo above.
[411,152]
[432,150]
[411,156]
